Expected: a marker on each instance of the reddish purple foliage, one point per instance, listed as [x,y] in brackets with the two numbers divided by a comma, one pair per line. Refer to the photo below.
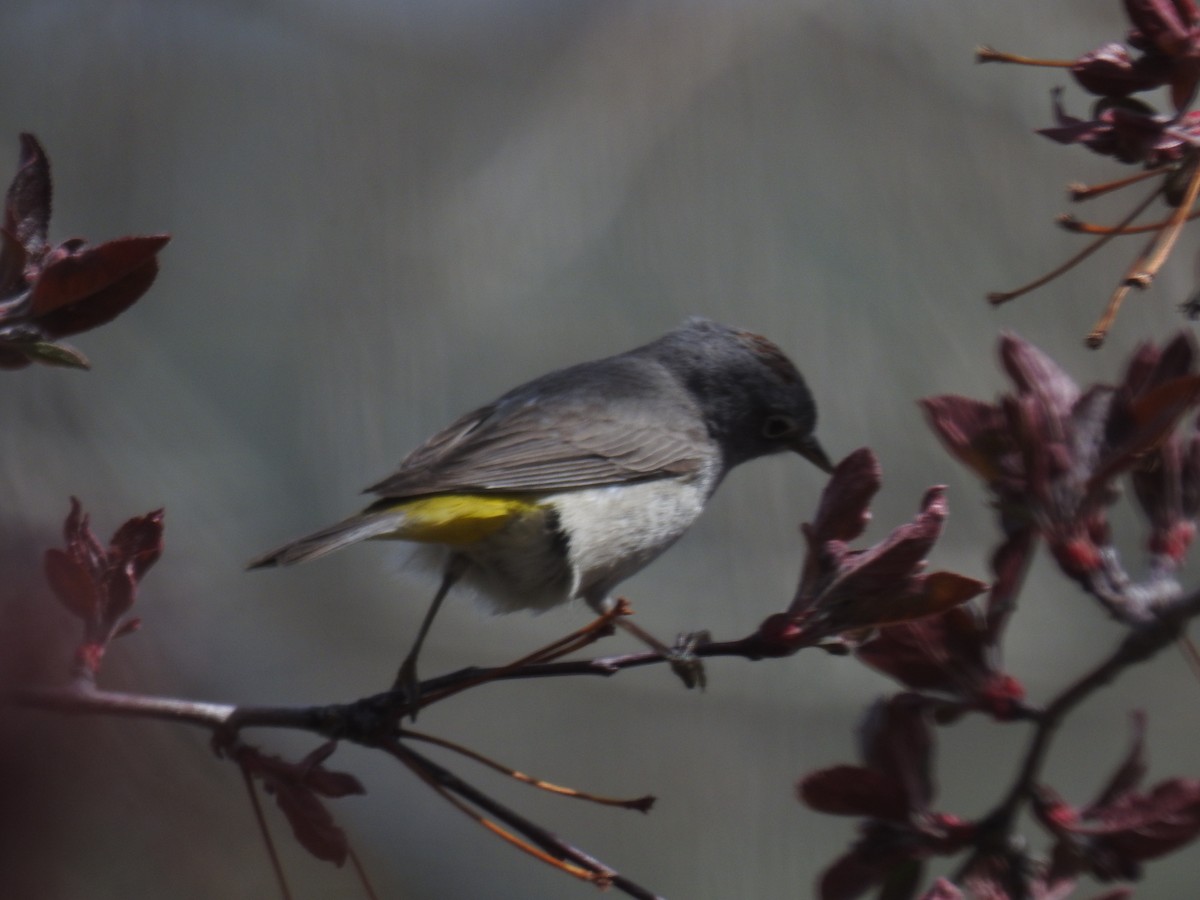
[892,790]
[50,292]
[1050,453]
[298,788]
[98,584]
[844,592]
[1122,828]
[1127,130]
[949,654]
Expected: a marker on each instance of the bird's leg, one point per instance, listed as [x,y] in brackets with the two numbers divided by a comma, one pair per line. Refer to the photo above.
[406,678]
[681,656]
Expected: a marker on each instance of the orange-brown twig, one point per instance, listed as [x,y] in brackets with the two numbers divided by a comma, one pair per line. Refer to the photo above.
[1081,192]
[1072,224]
[1169,235]
[984,53]
[996,298]
[641,804]
[576,640]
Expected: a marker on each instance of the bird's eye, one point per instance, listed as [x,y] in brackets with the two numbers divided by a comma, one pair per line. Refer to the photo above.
[778,426]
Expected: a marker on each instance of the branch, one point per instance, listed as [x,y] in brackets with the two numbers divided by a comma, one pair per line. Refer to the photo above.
[1140,645]
[362,721]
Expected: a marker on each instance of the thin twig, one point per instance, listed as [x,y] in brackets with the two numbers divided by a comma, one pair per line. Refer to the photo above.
[1077,226]
[641,804]
[1100,330]
[1082,192]
[1170,234]
[362,873]
[576,640]
[551,844]
[985,54]
[276,865]
[358,721]
[998,297]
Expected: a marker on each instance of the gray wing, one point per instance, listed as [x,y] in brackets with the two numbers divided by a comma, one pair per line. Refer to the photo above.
[561,432]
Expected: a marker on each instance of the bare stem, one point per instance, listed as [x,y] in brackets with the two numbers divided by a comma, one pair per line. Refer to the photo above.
[554,848]
[256,805]
[1100,330]
[1003,297]
[1081,192]
[361,721]
[1170,233]
[641,804]
[362,874]
[1070,223]
[985,54]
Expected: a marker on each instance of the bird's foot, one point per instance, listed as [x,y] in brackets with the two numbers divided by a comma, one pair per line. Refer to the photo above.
[407,681]
[684,661]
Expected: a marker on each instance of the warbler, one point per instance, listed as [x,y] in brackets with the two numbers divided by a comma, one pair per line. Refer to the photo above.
[569,484]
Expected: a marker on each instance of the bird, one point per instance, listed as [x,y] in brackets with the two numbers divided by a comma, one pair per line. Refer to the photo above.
[567,485]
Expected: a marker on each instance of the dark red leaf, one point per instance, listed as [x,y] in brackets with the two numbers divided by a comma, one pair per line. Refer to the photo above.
[971,430]
[1036,373]
[943,653]
[13,287]
[897,742]
[311,822]
[854,791]
[853,875]
[1009,563]
[1160,23]
[1141,367]
[27,203]
[139,541]
[328,783]
[101,307]
[842,514]
[1139,827]
[76,522]
[1110,71]
[906,600]
[81,542]
[1151,417]
[72,277]
[72,584]
[901,554]
[1176,359]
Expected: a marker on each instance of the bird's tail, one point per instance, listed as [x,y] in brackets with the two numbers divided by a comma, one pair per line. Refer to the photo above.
[361,527]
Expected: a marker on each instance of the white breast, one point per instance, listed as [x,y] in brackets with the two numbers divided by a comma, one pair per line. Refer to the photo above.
[609,533]
[615,531]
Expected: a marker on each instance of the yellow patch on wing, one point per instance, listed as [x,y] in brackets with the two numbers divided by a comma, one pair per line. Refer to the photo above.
[458,519]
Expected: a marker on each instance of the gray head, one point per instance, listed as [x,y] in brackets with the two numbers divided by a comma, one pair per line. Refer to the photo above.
[753,398]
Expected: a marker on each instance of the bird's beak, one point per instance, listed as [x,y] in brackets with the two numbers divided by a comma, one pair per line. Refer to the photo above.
[808,447]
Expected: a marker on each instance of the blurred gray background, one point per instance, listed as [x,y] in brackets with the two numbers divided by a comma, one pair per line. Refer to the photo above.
[384,213]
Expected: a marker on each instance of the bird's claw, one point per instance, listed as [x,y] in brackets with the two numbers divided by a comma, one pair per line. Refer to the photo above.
[407,681]
[685,663]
